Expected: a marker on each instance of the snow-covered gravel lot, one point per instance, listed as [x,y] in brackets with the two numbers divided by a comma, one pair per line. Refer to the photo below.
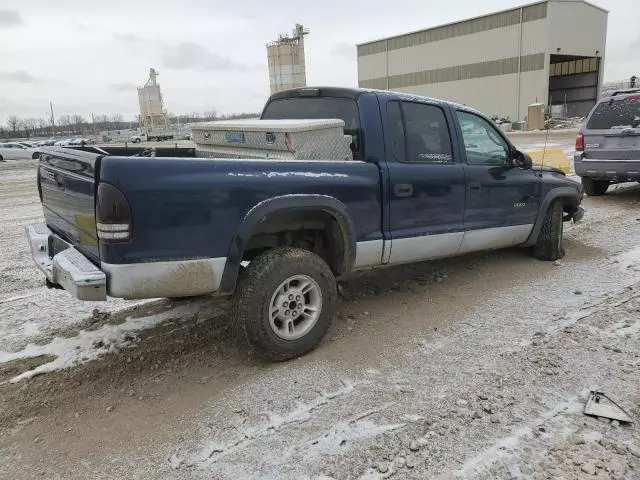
[475,367]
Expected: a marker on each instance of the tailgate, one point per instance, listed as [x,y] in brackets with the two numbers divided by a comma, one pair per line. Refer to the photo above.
[621,145]
[66,182]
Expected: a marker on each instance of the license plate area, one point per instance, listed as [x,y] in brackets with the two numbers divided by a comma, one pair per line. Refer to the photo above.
[620,143]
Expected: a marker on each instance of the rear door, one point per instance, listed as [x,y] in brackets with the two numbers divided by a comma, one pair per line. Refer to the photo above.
[612,131]
[502,202]
[67,185]
[426,181]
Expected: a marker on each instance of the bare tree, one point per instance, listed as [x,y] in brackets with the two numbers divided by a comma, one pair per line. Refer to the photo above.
[42,123]
[78,122]
[64,121]
[210,115]
[117,120]
[29,125]
[13,122]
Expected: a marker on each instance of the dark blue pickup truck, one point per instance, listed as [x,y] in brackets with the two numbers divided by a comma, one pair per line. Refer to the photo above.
[429,179]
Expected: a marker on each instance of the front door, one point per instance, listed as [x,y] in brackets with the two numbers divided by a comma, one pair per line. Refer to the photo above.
[501,201]
[427,188]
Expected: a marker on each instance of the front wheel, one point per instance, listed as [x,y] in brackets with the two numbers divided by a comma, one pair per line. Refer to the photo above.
[284,302]
[549,244]
[594,188]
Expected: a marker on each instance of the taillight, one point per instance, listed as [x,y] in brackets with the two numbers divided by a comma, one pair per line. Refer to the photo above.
[39,183]
[580,143]
[113,215]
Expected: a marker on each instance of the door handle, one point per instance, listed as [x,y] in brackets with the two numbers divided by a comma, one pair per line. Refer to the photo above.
[474,186]
[403,189]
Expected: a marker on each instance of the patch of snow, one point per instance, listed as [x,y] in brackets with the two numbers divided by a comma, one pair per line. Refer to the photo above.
[506,445]
[629,260]
[343,434]
[90,345]
[16,297]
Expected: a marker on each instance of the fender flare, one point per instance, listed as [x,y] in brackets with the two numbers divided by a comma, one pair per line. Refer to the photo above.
[286,203]
[553,194]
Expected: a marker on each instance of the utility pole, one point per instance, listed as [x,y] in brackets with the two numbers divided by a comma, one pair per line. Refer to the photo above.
[53,121]
[93,120]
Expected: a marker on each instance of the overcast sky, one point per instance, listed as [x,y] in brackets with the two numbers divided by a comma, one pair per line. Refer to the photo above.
[88,56]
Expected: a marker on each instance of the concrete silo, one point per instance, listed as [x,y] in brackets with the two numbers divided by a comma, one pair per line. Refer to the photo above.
[286,61]
[152,114]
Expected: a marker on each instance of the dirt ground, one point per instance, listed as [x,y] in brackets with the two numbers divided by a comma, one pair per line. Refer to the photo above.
[476,367]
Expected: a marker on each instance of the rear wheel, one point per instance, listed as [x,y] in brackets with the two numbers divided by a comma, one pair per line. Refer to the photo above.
[594,188]
[549,243]
[1,159]
[283,305]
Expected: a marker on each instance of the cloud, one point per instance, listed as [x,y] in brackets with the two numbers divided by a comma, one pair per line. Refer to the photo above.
[127,38]
[191,55]
[10,18]
[344,49]
[19,76]
[122,87]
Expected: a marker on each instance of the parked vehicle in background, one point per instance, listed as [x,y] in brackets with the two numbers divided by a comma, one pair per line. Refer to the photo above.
[157,135]
[608,144]
[429,179]
[16,151]
[80,141]
[73,141]
[47,143]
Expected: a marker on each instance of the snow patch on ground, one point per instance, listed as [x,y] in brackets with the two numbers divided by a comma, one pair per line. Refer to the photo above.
[506,445]
[90,345]
[629,260]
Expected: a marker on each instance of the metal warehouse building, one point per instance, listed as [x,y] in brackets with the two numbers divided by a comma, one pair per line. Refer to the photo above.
[548,52]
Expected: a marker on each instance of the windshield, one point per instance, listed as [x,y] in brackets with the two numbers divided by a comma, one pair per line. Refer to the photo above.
[304,108]
[623,113]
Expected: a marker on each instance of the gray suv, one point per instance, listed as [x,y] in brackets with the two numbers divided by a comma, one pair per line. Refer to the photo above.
[608,145]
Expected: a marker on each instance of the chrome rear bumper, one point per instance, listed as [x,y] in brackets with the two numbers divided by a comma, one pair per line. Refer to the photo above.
[69,268]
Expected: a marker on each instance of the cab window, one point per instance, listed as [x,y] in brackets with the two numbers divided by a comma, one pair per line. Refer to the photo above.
[482,142]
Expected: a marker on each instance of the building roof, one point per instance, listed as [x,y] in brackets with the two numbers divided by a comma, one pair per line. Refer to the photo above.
[480,17]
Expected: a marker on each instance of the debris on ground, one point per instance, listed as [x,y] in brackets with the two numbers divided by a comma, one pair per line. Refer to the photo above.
[600,405]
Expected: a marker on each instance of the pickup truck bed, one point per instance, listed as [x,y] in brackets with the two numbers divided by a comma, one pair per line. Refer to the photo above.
[420,187]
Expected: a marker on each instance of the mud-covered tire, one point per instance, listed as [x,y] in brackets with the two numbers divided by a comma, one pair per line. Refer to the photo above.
[252,302]
[594,188]
[549,244]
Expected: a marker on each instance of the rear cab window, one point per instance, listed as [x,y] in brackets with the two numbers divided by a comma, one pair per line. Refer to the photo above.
[311,108]
[616,114]
[419,133]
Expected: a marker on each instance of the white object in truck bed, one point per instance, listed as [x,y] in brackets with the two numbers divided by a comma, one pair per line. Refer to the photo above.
[273,139]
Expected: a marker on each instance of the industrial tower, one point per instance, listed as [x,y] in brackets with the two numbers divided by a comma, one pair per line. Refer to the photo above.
[286,61]
[152,114]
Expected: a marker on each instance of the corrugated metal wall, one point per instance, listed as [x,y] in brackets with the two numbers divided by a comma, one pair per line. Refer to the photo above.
[477,61]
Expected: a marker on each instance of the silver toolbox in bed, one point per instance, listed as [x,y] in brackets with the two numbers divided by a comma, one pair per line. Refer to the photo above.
[273,139]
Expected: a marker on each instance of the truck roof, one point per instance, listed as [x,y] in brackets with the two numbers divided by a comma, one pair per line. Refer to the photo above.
[356,92]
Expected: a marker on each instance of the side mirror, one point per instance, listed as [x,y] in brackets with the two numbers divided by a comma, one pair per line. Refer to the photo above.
[521,160]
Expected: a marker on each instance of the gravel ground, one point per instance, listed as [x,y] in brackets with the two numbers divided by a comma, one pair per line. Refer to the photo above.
[475,367]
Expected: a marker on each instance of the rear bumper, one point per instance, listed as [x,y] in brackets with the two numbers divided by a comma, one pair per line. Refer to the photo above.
[69,269]
[614,170]
[74,272]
